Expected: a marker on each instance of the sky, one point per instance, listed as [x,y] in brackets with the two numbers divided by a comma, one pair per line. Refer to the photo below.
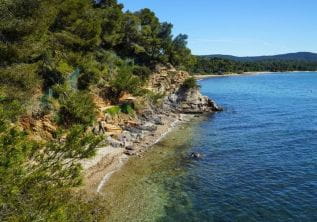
[239,27]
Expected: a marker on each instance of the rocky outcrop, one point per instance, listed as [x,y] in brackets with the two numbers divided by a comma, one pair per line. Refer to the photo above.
[168,81]
[128,132]
[191,101]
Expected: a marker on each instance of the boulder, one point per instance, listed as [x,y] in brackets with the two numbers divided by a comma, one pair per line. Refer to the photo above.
[113,129]
[195,155]
[114,143]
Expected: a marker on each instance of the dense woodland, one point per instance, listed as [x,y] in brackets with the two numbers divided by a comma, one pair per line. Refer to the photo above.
[206,65]
[54,54]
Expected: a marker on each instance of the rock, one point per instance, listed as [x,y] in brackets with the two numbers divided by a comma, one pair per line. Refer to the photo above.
[129,152]
[114,143]
[130,147]
[135,130]
[127,98]
[192,101]
[173,98]
[126,136]
[49,126]
[195,155]
[116,130]
[148,126]
[158,120]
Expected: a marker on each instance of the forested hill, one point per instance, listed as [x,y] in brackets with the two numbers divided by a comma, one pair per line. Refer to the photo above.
[59,60]
[221,64]
[298,56]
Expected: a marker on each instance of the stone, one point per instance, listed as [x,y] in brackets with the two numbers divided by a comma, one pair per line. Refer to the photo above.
[114,143]
[129,153]
[127,98]
[130,147]
[112,128]
[195,155]
[147,126]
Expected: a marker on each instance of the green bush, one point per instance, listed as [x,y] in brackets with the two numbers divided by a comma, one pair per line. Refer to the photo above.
[190,83]
[76,108]
[36,178]
[155,98]
[115,110]
[142,71]
[19,81]
[127,109]
[125,81]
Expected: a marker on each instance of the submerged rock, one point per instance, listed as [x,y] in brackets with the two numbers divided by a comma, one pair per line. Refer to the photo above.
[195,155]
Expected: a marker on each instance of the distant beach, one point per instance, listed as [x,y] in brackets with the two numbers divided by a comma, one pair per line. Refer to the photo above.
[200,77]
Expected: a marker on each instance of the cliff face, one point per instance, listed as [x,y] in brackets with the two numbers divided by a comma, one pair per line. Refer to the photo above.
[180,99]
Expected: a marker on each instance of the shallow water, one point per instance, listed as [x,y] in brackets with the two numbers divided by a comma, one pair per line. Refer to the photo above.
[259,158]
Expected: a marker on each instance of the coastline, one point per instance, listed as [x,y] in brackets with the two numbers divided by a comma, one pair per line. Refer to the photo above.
[109,159]
[201,77]
[132,136]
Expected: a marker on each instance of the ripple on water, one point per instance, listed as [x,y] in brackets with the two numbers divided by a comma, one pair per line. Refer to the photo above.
[259,159]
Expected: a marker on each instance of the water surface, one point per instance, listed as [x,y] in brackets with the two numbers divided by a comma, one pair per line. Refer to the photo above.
[259,158]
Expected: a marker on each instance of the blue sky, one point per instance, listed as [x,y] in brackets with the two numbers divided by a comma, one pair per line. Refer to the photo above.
[239,27]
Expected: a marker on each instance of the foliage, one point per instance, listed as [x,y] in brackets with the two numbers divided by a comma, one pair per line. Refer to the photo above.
[115,110]
[35,177]
[155,98]
[190,83]
[127,109]
[221,66]
[142,71]
[76,108]
[125,81]
[68,48]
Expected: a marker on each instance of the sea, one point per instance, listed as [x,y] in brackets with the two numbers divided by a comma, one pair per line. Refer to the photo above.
[258,158]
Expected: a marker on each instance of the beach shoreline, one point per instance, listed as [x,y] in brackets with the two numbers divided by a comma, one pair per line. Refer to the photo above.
[108,160]
[201,77]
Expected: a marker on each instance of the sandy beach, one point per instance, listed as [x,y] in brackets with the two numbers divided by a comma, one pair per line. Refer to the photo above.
[200,77]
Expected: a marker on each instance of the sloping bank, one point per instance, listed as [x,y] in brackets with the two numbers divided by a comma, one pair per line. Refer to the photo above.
[181,101]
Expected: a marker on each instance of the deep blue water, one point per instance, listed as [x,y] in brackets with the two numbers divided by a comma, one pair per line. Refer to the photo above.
[260,153]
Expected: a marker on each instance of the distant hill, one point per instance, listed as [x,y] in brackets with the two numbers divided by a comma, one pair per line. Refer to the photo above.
[298,56]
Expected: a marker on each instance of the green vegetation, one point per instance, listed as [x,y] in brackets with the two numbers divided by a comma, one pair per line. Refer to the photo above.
[124,108]
[190,83]
[115,110]
[220,66]
[54,55]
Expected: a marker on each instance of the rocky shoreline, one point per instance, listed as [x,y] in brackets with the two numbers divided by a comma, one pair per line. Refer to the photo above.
[179,105]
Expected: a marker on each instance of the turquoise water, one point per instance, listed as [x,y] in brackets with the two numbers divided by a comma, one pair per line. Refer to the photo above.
[259,157]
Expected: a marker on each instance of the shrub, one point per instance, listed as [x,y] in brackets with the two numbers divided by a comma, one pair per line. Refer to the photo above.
[125,81]
[115,110]
[19,81]
[142,71]
[190,83]
[155,98]
[127,109]
[76,108]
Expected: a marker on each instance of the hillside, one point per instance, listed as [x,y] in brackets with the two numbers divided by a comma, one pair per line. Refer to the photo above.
[221,64]
[298,56]
[73,75]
